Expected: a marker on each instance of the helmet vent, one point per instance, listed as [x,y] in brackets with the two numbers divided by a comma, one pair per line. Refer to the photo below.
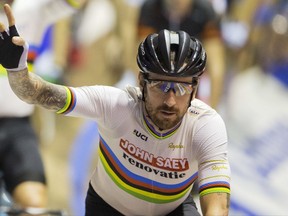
[172,53]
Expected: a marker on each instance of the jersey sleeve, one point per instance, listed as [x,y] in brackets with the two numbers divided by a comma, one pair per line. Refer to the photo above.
[107,105]
[214,169]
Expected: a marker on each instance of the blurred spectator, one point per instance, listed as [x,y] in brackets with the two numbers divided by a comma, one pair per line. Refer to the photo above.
[257,116]
[198,18]
[270,39]
[237,24]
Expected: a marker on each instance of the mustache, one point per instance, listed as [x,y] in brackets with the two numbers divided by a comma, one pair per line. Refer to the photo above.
[167,108]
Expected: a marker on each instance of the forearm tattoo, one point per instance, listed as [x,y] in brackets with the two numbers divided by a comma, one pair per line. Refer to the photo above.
[34,90]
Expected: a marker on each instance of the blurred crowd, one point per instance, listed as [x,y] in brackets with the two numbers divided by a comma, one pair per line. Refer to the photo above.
[246,80]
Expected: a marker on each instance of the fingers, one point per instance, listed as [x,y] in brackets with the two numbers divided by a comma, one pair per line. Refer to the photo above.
[4,34]
[10,17]
[9,14]
[12,29]
[2,27]
[18,41]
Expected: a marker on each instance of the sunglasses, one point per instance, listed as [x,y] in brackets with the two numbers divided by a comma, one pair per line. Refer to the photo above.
[162,86]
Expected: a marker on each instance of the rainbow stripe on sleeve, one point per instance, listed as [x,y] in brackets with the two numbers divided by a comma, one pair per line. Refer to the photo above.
[214,187]
[70,102]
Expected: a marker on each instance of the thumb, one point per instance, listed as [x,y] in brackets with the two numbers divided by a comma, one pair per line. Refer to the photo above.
[18,41]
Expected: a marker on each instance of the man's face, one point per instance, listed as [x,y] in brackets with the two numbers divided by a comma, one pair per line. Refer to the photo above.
[163,102]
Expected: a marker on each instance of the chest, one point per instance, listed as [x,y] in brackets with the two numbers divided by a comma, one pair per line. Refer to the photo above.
[137,147]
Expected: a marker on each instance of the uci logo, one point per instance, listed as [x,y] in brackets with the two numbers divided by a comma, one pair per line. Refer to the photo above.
[138,134]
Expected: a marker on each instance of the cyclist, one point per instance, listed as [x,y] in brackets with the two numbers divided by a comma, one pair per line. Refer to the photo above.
[155,140]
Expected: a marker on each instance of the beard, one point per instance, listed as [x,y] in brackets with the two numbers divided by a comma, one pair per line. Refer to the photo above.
[162,122]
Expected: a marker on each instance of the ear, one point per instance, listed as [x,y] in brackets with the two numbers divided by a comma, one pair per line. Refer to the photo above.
[141,80]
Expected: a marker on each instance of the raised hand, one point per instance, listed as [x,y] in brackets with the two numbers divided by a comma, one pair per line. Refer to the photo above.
[13,48]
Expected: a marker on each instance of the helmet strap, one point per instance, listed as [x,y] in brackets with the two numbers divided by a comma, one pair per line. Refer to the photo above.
[195,87]
[143,92]
[143,76]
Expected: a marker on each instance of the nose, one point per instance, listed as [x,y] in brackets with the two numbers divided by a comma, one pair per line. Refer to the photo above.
[170,98]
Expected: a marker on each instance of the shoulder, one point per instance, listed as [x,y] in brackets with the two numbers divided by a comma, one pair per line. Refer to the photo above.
[109,93]
[99,91]
[198,107]
[133,92]
[204,115]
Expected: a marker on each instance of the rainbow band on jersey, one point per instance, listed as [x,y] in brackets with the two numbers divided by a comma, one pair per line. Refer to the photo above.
[141,187]
[74,3]
[70,102]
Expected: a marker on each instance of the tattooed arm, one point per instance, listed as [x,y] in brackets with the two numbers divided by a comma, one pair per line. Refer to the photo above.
[34,90]
[27,86]
[215,204]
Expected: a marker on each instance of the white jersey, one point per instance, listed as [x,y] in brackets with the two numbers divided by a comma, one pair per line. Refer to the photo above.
[141,171]
[32,20]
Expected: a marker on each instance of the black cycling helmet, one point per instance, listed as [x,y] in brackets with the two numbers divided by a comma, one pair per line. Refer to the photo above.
[171,53]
